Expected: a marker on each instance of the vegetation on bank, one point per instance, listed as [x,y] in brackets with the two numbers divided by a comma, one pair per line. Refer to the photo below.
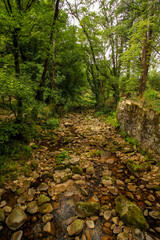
[49,66]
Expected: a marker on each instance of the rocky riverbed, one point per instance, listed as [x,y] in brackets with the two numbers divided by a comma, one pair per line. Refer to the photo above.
[102,189]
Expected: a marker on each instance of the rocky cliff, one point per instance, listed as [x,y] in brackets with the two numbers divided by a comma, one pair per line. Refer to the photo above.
[142,124]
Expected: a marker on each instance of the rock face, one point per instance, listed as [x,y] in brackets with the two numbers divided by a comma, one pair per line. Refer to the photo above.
[87,209]
[142,124]
[130,213]
[75,228]
[16,219]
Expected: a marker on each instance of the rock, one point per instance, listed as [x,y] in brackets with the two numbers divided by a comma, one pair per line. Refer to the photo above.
[157,229]
[7,209]
[130,213]
[148,237]
[1,228]
[80,182]
[115,220]
[131,187]
[154,214]
[42,187]
[49,228]
[90,224]
[32,207]
[120,183]
[151,198]
[86,209]
[138,234]
[51,192]
[77,170]
[75,228]
[2,204]
[113,190]
[107,215]
[47,217]
[46,208]
[76,177]
[17,235]
[61,176]
[43,199]
[2,215]
[110,161]
[123,236]
[70,220]
[2,191]
[16,219]
[90,170]
[148,203]
[117,229]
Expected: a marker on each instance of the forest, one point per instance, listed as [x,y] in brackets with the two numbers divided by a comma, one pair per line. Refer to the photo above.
[65,65]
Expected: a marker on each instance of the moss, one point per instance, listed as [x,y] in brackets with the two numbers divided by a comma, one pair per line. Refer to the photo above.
[138,167]
[86,209]
[34,165]
[109,178]
[130,213]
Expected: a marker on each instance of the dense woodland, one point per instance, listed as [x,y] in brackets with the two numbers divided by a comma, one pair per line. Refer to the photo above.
[57,56]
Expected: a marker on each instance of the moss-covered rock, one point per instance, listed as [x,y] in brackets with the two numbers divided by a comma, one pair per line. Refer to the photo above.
[138,167]
[43,199]
[86,209]
[130,213]
[77,170]
[75,228]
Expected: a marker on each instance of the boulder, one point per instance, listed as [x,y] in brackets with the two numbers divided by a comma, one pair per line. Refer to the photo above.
[130,213]
[75,228]
[16,219]
[86,209]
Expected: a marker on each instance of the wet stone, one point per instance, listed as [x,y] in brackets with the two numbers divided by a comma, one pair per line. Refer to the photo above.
[138,234]
[2,204]
[43,199]
[32,207]
[148,203]
[151,198]
[16,219]
[49,228]
[90,224]
[113,190]
[75,228]
[47,217]
[46,208]
[7,209]
[154,214]
[107,215]
[17,235]
[117,229]
[42,187]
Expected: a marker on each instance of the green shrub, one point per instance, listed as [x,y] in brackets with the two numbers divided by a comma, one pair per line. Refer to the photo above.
[62,156]
[51,123]
[111,119]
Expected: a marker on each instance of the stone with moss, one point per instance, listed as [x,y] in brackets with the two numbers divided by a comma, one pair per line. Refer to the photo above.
[43,199]
[75,228]
[134,167]
[130,213]
[2,215]
[87,209]
[77,170]
[46,208]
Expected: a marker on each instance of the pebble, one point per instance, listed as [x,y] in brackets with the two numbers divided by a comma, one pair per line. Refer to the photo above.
[148,203]
[151,198]
[7,209]
[145,212]
[138,234]
[107,215]
[2,204]
[115,220]
[120,183]
[154,214]
[131,187]
[117,229]
[113,190]
[49,228]
[42,187]
[47,217]
[110,161]
[17,235]
[90,224]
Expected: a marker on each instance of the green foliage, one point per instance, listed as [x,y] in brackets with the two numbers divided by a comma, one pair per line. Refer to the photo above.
[62,156]
[111,119]
[50,123]
[95,153]
[154,80]
[152,99]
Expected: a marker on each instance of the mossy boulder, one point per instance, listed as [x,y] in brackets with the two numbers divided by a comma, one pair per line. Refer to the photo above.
[87,209]
[134,167]
[130,213]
